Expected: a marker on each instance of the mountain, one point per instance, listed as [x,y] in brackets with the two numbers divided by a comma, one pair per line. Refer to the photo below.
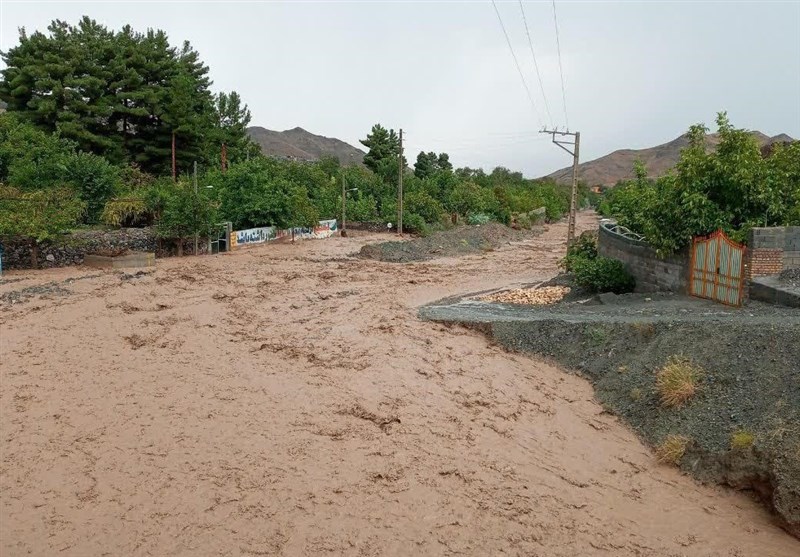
[608,170]
[299,144]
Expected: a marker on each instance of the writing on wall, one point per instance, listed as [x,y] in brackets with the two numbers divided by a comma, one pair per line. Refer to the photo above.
[324,229]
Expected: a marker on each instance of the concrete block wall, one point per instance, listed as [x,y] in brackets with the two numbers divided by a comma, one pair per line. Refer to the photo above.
[771,250]
[652,273]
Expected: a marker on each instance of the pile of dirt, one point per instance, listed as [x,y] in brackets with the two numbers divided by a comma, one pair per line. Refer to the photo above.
[750,383]
[461,240]
[790,277]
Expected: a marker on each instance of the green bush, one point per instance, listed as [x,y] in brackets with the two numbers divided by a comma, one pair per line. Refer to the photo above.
[602,274]
[594,272]
[413,222]
[584,247]
[424,205]
[479,218]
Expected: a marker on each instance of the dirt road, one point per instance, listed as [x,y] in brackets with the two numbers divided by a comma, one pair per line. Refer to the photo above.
[286,400]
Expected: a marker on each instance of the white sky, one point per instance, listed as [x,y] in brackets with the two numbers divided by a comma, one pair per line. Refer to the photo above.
[637,73]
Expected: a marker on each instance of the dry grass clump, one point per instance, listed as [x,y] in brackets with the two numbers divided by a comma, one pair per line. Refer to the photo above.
[742,440]
[678,381]
[672,449]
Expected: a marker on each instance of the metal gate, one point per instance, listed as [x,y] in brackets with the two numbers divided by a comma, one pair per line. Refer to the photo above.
[717,269]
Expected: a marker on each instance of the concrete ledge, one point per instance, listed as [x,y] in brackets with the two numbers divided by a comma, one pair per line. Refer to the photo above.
[768,289]
[134,259]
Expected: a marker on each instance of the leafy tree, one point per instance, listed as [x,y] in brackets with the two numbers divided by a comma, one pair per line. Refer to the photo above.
[37,215]
[424,205]
[253,193]
[732,188]
[185,213]
[96,181]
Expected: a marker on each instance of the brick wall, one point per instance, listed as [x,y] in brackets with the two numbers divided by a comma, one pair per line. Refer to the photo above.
[771,250]
[652,273]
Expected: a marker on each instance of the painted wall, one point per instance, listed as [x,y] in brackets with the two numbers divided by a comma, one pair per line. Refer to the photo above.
[252,236]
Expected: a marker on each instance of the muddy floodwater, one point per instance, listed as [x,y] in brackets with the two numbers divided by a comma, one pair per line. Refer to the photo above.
[288,400]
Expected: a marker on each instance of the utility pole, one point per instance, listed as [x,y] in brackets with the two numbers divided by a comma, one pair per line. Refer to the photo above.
[400,188]
[575,152]
[343,233]
[196,238]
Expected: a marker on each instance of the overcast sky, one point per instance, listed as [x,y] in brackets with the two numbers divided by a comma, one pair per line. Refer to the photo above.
[637,73]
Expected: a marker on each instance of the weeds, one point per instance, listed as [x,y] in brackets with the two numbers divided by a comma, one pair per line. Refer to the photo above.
[636,394]
[678,381]
[645,330]
[672,449]
[742,440]
[597,335]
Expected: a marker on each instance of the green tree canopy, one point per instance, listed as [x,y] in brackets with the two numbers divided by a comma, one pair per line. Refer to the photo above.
[122,95]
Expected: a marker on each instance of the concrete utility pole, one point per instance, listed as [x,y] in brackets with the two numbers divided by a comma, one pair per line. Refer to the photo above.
[196,237]
[343,233]
[400,188]
[575,154]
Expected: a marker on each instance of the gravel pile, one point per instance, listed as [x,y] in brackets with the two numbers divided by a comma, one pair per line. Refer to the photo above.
[461,240]
[790,277]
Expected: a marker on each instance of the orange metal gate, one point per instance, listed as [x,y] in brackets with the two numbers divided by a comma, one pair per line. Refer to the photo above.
[717,269]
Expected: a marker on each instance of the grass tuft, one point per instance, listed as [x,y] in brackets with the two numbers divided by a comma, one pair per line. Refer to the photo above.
[742,440]
[678,381]
[636,394]
[672,449]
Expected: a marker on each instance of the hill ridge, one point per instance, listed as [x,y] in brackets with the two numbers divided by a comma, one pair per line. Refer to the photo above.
[618,165]
[300,144]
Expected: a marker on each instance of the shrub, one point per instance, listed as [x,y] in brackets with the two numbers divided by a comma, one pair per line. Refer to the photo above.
[424,205]
[602,274]
[479,218]
[584,247]
[742,440]
[678,381]
[672,449]
[413,222]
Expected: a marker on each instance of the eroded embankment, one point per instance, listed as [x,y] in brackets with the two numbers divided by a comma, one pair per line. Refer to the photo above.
[749,386]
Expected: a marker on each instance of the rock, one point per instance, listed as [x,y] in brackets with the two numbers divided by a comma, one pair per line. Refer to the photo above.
[50,257]
[607,298]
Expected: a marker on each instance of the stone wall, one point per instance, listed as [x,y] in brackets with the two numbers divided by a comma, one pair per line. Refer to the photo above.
[652,273]
[70,249]
[771,250]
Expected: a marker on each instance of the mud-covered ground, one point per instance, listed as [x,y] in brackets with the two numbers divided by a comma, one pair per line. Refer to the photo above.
[286,400]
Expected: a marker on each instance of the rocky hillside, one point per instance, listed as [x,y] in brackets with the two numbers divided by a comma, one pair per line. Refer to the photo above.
[608,170]
[299,144]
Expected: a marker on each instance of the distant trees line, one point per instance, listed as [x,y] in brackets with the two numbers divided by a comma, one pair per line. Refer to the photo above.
[88,133]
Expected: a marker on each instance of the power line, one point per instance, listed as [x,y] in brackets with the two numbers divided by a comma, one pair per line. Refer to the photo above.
[535,63]
[560,68]
[516,63]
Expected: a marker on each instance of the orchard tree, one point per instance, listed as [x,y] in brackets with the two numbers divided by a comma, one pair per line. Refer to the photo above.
[37,216]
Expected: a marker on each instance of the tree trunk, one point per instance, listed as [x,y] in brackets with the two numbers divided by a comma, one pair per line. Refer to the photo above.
[180,247]
[34,255]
